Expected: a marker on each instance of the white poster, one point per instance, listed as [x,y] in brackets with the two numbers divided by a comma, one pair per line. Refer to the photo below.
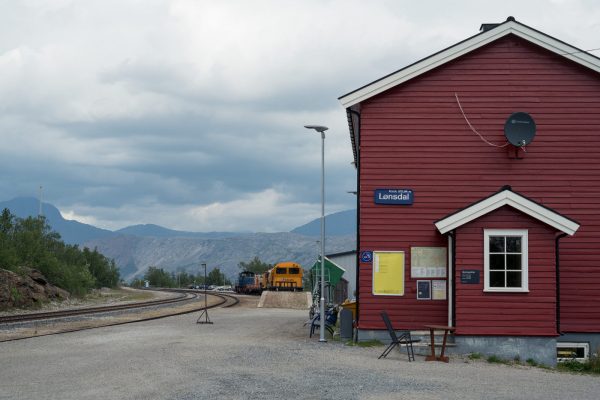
[438,290]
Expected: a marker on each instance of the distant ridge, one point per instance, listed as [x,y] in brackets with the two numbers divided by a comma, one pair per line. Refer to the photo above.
[71,232]
[75,232]
[151,230]
[137,247]
[337,224]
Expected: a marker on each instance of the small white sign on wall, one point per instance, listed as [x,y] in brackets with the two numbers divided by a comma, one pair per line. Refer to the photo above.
[438,290]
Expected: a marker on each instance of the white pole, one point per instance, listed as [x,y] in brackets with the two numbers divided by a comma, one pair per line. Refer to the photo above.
[322,310]
[450,279]
[321,129]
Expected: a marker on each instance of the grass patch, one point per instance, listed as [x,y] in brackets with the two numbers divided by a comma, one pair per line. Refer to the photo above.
[475,356]
[494,359]
[15,295]
[531,362]
[111,295]
[589,367]
[366,343]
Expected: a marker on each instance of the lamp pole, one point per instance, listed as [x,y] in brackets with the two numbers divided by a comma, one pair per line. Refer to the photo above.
[321,129]
[205,311]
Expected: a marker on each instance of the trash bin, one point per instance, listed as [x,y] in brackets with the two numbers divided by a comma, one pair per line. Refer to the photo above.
[350,305]
[346,320]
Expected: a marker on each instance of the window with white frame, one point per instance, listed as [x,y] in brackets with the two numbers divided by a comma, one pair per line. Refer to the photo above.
[569,351]
[505,260]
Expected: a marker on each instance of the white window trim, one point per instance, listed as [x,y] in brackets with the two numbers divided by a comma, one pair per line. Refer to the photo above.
[586,351]
[524,259]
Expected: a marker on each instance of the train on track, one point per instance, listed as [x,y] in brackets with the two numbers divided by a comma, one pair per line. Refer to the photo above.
[283,276]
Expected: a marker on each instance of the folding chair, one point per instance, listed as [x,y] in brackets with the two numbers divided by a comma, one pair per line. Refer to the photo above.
[404,338]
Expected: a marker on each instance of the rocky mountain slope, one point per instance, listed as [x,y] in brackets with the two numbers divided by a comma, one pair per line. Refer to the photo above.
[134,254]
[30,288]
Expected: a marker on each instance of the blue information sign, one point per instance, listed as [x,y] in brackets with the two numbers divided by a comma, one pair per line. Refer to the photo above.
[394,196]
[366,256]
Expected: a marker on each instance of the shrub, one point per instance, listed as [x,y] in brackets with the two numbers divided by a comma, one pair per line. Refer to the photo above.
[494,359]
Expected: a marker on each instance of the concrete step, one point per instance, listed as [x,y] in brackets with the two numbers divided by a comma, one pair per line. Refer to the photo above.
[293,300]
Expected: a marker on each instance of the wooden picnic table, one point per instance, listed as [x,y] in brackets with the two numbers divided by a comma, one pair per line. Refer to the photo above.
[432,329]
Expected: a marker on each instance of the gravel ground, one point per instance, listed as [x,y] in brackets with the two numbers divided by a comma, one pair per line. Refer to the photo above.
[251,353]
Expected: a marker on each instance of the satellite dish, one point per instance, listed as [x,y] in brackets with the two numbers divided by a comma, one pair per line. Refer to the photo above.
[519,129]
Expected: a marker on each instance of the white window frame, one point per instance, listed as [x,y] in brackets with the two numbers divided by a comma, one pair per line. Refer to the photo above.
[523,233]
[574,345]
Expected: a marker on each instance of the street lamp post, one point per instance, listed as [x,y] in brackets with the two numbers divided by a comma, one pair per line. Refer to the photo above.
[321,129]
[205,311]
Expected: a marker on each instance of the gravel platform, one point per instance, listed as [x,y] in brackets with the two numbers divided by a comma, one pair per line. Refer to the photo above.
[251,353]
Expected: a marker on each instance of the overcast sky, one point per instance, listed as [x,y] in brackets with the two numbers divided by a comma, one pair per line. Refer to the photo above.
[190,114]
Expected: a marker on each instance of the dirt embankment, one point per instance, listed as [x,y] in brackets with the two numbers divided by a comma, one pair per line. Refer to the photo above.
[26,290]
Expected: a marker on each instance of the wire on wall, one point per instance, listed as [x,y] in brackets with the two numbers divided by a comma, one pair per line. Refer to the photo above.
[475,130]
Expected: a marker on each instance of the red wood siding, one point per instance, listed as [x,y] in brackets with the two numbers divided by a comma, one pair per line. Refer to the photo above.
[414,136]
[523,314]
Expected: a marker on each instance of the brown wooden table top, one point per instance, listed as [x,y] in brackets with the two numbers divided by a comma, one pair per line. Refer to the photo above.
[441,327]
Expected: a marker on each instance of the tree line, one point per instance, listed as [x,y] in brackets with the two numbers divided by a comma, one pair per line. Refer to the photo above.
[30,242]
[158,277]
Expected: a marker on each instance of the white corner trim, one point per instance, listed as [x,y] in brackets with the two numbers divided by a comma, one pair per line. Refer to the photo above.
[475,42]
[507,197]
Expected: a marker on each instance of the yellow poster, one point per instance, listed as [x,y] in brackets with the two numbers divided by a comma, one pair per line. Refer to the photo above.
[388,273]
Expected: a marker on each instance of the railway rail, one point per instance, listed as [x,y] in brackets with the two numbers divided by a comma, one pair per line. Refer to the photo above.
[88,310]
[225,301]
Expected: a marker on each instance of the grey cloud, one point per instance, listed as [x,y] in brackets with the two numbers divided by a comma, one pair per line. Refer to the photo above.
[177,112]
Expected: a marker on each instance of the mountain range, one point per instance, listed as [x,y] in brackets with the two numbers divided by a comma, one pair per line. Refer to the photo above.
[135,248]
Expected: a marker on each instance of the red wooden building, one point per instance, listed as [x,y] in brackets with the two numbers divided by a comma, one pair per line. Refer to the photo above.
[457,225]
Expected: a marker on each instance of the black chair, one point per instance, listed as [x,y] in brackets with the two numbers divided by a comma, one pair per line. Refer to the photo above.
[403,338]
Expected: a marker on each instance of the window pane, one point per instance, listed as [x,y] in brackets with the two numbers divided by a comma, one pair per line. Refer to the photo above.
[513,261]
[497,261]
[513,244]
[513,279]
[497,279]
[496,244]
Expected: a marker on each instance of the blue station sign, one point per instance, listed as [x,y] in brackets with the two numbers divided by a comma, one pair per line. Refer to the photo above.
[394,196]
[366,256]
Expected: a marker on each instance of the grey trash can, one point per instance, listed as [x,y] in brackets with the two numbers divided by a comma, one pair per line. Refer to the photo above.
[346,324]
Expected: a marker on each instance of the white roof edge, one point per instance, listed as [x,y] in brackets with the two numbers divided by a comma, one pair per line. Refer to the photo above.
[475,42]
[336,264]
[510,198]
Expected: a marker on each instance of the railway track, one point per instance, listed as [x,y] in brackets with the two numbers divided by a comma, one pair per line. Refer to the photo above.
[188,296]
[89,310]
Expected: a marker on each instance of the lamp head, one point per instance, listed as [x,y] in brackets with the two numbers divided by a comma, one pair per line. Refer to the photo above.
[318,128]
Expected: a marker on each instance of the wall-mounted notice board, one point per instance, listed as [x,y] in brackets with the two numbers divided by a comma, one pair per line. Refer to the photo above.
[388,273]
[428,262]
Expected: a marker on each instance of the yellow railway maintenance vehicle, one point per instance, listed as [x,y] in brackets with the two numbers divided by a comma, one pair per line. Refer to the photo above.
[284,276]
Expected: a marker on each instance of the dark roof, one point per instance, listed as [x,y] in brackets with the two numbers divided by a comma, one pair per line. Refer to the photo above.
[344,253]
